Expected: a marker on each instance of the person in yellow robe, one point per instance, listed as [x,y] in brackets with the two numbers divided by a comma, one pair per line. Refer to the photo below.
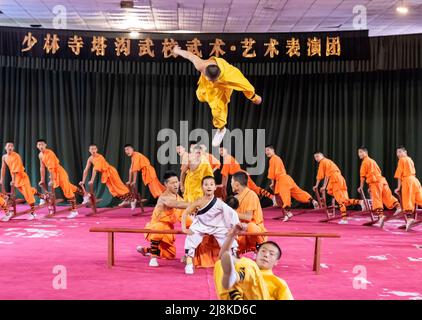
[245,279]
[198,168]
[215,86]
[109,176]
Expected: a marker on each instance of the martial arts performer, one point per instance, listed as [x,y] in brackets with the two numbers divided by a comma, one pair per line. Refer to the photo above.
[198,168]
[142,164]
[231,166]
[380,192]
[109,176]
[211,217]
[334,183]
[58,176]
[283,185]
[20,179]
[168,209]
[249,212]
[411,190]
[216,83]
[245,279]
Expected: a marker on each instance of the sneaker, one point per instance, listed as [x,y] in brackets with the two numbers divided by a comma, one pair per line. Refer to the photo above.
[397,212]
[142,250]
[124,203]
[133,204]
[189,268]
[7,217]
[409,223]
[73,214]
[153,262]
[218,138]
[315,204]
[381,221]
[86,198]
[287,217]
[42,202]
[32,216]
[343,221]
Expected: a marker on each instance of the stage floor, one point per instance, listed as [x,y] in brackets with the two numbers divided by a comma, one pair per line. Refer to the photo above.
[29,250]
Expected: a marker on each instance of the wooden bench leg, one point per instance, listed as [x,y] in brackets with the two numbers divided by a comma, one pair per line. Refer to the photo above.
[317,253]
[110,259]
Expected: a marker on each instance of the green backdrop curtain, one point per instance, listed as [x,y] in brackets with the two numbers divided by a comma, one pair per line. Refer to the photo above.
[331,107]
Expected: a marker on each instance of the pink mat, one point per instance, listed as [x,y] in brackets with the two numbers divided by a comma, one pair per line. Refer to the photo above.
[29,250]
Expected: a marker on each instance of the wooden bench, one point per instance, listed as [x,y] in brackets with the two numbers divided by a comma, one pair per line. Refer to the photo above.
[317,250]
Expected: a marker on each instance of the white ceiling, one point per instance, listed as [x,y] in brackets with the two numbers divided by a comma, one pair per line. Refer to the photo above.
[216,15]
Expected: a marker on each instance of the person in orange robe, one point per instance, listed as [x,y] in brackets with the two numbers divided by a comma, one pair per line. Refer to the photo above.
[58,176]
[334,183]
[411,190]
[380,192]
[231,166]
[283,185]
[20,178]
[142,164]
[250,213]
[109,176]
[166,212]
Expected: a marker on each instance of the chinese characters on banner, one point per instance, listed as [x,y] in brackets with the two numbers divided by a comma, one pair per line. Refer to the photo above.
[240,47]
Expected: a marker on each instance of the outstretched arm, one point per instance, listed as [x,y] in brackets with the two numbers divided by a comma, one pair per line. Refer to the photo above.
[171,203]
[231,236]
[197,62]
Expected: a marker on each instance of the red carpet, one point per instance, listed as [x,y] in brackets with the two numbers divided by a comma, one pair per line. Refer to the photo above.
[31,249]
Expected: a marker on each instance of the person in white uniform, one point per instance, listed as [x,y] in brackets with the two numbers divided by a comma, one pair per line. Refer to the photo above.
[211,216]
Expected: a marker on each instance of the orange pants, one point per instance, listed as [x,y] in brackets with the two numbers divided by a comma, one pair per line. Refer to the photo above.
[248,243]
[381,195]
[206,254]
[156,188]
[23,184]
[166,246]
[411,193]
[286,188]
[61,179]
